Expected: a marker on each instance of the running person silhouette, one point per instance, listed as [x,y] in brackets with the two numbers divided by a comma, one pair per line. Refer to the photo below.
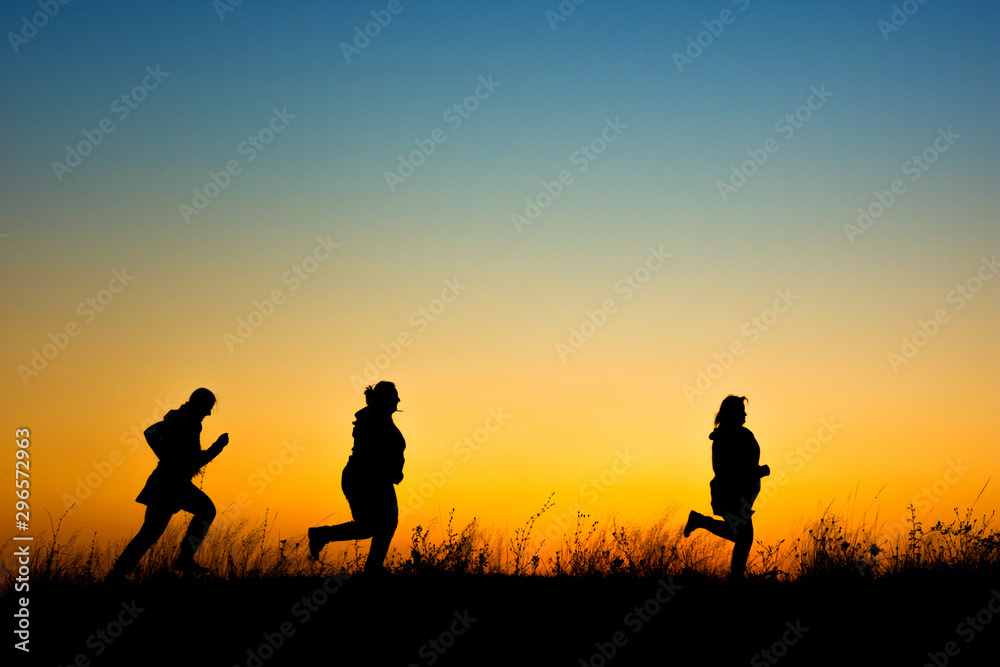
[735,460]
[176,441]
[375,465]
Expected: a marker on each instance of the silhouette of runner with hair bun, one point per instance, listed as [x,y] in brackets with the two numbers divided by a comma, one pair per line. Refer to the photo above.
[375,465]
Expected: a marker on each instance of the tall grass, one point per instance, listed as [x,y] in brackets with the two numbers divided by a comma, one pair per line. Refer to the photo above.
[832,546]
[964,545]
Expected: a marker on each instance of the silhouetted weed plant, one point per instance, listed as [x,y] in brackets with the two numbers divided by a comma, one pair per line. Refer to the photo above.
[456,553]
[632,550]
[832,547]
[520,545]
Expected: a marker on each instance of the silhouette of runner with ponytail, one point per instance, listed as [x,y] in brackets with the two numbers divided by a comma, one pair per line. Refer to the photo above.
[735,460]
[176,441]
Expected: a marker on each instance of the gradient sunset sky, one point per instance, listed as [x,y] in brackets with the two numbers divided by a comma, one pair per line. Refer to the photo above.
[582,346]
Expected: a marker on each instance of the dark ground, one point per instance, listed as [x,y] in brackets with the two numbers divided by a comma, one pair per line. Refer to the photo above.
[481,620]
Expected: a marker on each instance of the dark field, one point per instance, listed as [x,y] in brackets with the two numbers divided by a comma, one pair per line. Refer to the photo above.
[608,595]
[496,619]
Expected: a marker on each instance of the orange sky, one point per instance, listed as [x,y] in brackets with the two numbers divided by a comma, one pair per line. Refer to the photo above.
[607,331]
